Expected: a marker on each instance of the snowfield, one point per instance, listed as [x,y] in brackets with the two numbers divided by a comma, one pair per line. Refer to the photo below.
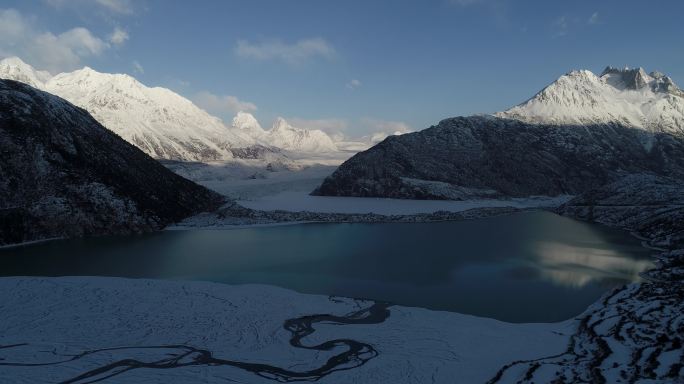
[299,201]
[85,329]
[289,190]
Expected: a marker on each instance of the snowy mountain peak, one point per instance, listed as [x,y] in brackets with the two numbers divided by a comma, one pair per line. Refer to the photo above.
[280,124]
[160,122]
[247,121]
[283,135]
[14,68]
[631,97]
[626,79]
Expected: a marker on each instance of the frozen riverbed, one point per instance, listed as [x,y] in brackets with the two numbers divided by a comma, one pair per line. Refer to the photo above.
[80,330]
[298,200]
[288,190]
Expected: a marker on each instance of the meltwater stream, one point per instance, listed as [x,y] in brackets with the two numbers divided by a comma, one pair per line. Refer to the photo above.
[525,267]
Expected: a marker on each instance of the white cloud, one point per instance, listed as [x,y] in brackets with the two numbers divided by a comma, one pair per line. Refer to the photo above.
[137,68]
[561,26]
[222,105]
[353,84]
[12,24]
[118,37]
[81,41]
[117,6]
[365,129]
[293,54]
[121,7]
[19,36]
[331,126]
[594,19]
[380,129]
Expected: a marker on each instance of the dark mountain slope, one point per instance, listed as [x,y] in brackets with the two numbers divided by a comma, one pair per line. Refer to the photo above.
[483,156]
[64,174]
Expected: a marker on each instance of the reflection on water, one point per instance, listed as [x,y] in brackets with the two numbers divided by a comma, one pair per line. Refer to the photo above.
[533,266]
[576,266]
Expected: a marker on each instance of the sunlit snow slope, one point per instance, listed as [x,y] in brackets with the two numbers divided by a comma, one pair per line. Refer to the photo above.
[630,97]
[160,122]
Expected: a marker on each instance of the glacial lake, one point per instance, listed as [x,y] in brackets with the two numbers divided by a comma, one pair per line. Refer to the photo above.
[525,267]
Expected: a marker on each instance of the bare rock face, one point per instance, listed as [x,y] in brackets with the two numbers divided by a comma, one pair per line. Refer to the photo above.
[63,174]
[483,156]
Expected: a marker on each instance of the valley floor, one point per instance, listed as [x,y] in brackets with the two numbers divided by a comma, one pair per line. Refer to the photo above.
[83,330]
[86,330]
[298,201]
[289,190]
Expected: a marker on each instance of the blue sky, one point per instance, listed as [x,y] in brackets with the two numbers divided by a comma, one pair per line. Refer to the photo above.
[347,66]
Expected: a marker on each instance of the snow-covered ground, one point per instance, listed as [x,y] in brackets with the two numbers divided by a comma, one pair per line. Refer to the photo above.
[289,189]
[84,329]
[296,201]
[246,180]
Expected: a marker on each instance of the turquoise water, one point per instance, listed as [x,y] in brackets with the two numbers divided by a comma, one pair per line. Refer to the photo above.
[526,267]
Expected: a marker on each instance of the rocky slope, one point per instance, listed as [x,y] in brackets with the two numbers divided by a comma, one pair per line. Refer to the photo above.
[485,156]
[64,174]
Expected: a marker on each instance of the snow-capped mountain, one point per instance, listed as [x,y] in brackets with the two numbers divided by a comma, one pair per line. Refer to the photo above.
[285,136]
[160,122]
[164,124]
[14,69]
[631,122]
[247,123]
[485,156]
[630,97]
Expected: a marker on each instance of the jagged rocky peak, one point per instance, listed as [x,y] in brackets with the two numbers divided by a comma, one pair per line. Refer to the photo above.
[626,78]
[665,84]
[637,79]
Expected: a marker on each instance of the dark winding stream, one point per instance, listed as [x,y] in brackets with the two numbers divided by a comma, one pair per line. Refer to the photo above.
[177,356]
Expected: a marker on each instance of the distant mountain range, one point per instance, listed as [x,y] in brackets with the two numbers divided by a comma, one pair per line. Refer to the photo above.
[164,124]
[63,174]
[579,133]
[283,135]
